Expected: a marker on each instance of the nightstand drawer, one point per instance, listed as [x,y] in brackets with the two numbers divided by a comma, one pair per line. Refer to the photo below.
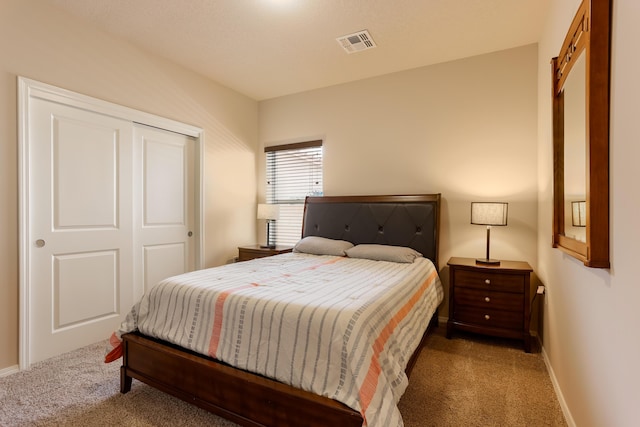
[489,318]
[490,281]
[507,301]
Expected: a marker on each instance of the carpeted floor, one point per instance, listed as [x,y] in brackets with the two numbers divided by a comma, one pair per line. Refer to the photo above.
[472,380]
[465,381]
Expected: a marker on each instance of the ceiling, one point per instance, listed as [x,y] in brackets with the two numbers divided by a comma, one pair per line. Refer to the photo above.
[269,48]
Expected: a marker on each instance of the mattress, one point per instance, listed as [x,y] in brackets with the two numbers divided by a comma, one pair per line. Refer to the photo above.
[339,327]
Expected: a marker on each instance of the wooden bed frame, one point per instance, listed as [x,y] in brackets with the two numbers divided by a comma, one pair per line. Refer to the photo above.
[254,400]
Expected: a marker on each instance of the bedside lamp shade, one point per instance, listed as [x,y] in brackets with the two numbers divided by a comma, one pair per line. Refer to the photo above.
[489,213]
[578,214]
[269,213]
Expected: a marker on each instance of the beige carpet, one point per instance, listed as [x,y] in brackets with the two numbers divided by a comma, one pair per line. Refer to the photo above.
[472,380]
[465,381]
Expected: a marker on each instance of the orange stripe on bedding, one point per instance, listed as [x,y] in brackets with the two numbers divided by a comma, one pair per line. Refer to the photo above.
[218,317]
[116,352]
[329,262]
[370,384]
[114,340]
[219,306]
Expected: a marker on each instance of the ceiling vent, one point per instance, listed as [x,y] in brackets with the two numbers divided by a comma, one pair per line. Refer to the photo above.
[357,42]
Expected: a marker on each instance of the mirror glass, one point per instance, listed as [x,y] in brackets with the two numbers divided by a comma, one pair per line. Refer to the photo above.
[575,148]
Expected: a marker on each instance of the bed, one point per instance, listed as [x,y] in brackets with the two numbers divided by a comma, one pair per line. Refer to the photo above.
[233,386]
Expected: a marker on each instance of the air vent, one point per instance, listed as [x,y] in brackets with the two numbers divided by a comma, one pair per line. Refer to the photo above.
[357,42]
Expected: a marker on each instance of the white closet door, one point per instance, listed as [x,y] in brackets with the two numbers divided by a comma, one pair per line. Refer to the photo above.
[80,227]
[164,193]
[108,208]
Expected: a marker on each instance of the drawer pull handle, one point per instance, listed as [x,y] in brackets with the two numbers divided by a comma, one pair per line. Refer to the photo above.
[487,317]
[487,299]
[487,281]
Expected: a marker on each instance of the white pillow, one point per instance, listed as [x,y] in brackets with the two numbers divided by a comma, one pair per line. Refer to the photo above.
[384,253]
[322,246]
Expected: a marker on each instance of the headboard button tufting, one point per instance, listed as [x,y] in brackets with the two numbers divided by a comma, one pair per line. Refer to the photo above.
[410,221]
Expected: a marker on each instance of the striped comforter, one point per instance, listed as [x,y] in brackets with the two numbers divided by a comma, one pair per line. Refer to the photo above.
[339,327]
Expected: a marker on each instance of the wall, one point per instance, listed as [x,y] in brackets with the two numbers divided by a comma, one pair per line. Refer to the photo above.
[591,315]
[42,43]
[466,129]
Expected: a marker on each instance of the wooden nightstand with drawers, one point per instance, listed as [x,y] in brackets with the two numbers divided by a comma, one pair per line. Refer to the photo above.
[490,299]
[245,253]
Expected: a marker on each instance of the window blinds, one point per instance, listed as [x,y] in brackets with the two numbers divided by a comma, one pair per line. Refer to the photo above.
[293,172]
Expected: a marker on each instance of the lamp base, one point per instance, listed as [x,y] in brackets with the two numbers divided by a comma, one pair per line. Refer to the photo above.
[487,261]
[268,246]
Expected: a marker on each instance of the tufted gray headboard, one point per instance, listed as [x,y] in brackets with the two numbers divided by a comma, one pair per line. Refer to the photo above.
[411,221]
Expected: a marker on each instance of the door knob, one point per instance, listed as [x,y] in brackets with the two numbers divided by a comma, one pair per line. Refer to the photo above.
[40,243]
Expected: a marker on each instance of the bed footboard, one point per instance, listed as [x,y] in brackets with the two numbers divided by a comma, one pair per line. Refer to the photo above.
[242,397]
[239,396]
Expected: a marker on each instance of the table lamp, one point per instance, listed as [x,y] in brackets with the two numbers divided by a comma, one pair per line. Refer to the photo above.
[488,213]
[270,213]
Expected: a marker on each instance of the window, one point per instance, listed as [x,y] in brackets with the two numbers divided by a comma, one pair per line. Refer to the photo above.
[294,171]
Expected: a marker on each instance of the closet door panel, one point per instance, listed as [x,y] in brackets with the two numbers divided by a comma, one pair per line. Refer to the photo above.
[164,218]
[81,228]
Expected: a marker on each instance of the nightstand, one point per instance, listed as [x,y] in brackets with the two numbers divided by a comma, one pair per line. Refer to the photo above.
[245,253]
[490,299]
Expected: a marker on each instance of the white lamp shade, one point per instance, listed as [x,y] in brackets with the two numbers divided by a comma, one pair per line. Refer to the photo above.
[579,214]
[268,211]
[489,213]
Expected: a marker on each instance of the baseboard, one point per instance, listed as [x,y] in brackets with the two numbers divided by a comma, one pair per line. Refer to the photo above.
[10,370]
[563,404]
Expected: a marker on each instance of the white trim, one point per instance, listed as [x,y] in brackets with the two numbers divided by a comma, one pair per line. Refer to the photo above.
[28,89]
[556,386]
[23,223]
[66,97]
[9,371]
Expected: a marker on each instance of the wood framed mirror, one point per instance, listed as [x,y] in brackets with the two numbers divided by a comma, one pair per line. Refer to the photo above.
[580,76]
